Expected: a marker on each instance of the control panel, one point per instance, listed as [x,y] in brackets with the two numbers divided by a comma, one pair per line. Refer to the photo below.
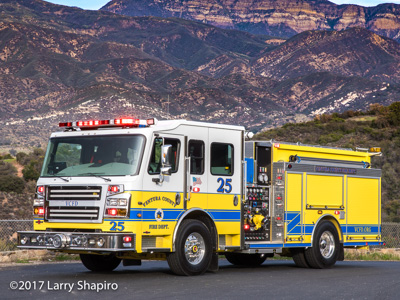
[257,214]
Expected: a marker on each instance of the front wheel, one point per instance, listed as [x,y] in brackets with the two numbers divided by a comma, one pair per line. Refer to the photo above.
[325,247]
[100,263]
[193,249]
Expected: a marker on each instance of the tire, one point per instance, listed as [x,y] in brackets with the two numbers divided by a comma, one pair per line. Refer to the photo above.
[100,263]
[325,247]
[299,257]
[193,249]
[242,259]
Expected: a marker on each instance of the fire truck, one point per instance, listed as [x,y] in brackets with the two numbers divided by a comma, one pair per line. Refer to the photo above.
[187,192]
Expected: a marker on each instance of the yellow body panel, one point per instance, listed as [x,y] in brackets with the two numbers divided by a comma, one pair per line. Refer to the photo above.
[325,191]
[284,151]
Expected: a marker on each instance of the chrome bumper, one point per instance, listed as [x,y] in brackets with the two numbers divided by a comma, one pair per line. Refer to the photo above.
[109,242]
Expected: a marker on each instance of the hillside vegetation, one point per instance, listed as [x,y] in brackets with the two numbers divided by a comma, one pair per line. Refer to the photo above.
[378,127]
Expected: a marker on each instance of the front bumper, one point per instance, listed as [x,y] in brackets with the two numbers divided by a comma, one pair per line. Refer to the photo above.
[96,242]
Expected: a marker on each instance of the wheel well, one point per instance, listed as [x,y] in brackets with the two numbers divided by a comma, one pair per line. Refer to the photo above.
[333,220]
[203,217]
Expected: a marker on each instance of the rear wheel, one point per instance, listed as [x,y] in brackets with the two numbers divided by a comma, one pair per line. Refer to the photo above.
[325,247]
[242,259]
[299,257]
[193,249]
[100,263]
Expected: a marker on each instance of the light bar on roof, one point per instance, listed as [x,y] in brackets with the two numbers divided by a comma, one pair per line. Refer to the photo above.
[121,122]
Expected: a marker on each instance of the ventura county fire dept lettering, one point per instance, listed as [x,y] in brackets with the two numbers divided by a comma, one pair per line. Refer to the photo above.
[159,199]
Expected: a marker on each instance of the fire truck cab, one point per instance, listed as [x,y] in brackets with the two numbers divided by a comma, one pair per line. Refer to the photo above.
[128,190]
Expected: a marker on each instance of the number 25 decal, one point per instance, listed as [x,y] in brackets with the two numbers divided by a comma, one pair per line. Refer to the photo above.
[226,183]
[117,226]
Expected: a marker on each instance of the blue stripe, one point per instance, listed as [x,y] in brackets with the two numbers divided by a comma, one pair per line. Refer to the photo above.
[294,224]
[363,244]
[219,215]
[358,229]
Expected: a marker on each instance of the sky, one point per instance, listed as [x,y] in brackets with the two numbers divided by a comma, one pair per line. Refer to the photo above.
[96,4]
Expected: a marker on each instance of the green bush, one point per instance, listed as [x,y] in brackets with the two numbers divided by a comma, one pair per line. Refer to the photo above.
[12,184]
[7,169]
[32,170]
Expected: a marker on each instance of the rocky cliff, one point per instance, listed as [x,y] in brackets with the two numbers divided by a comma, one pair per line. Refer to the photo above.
[282,18]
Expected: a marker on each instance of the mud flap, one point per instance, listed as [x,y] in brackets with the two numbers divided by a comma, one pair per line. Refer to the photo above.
[341,253]
[214,263]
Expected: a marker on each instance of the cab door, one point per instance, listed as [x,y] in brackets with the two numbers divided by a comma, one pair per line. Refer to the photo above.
[224,182]
[163,195]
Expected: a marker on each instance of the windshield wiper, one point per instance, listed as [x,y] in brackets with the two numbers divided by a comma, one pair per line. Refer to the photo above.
[66,180]
[96,175]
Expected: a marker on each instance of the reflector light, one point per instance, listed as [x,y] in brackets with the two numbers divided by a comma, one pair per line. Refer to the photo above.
[246,226]
[127,239]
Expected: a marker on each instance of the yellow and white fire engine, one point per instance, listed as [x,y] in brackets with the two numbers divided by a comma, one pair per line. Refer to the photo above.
[129,190]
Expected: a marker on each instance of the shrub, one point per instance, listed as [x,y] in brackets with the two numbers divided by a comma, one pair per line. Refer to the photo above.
[7,169]
[12,184]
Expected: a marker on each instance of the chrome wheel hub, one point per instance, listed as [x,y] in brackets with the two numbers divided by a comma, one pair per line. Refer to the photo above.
[194,248]
[327,244]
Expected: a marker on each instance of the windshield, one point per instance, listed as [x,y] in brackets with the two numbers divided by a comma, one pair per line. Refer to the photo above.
[94,155]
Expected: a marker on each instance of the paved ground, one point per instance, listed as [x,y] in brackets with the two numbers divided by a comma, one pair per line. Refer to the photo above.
[153,280]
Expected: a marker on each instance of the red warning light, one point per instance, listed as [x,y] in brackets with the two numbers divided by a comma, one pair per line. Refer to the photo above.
[41,211]
[113,188]
[246,226]
[127,239]
[40,189]
[112,211]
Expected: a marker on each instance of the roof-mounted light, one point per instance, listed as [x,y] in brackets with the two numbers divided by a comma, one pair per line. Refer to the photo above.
[121,122]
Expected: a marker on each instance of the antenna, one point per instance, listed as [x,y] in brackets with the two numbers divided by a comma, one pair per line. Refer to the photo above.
[168,106]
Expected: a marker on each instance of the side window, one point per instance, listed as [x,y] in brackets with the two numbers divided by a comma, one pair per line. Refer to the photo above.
[155,160]
[196,153]
[221,159]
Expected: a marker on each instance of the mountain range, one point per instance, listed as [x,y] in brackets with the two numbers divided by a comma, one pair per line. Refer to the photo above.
[60,63]
[284,18]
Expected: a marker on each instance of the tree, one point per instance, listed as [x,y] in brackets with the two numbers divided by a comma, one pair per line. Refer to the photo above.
[32,170]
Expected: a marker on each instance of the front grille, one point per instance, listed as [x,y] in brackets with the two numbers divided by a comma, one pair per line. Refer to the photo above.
[74,193]
[72,213]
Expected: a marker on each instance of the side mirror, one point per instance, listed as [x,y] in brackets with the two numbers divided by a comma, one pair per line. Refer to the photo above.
[166,166]
[166,154]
